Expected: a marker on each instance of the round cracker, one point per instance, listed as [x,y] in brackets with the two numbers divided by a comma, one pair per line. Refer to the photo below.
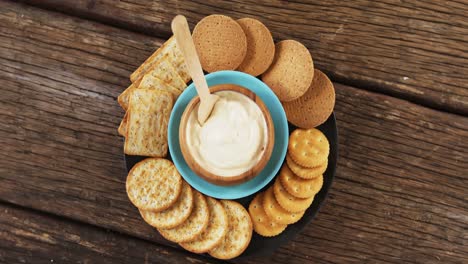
[263,225]
[260,47]
[298,187]
[220,42]
[239,233]
[275,212]
[289,202]
[306,173]
[174,215]
[195,224]
[154,184]
[315,106]
[217,228]
[308,148]
[291,72]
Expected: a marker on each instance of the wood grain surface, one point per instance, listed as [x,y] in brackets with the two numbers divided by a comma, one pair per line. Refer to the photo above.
[399,195]
[414,50]
[40,238]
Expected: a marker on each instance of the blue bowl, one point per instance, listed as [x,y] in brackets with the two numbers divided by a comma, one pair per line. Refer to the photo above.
[281,136]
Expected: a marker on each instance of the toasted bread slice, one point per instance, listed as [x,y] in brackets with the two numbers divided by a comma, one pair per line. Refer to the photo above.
[164,71]
[151,81]
[148,117]
[123,126]
[175,57]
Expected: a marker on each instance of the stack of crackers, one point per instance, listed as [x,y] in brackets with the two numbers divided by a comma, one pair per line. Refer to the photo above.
[148,101]
[182,215]
[299,180]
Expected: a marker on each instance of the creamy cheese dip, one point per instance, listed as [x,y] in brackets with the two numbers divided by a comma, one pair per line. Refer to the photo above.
[232,140]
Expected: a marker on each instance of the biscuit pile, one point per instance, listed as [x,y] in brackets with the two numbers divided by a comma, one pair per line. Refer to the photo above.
[182,215]
[246,45]
[299,180]
[148,101]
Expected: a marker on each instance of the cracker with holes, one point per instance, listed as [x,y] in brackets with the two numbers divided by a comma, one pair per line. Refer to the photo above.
[213,235]
[239,233]
[287,201]
[304,172]
[277,213]
[154,184]
[195,224]
[262,224]
[174,215]
[298,187]
[308,148]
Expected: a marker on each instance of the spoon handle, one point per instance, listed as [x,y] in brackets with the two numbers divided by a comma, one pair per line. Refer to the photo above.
[184,40]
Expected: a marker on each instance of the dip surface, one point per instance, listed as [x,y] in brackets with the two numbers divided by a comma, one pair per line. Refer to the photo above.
[232,140]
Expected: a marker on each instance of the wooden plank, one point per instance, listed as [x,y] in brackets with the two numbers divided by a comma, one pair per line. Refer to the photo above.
[416,50]
[32,237]
[399,195]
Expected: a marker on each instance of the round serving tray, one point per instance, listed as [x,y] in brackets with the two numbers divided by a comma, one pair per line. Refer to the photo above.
[260,246]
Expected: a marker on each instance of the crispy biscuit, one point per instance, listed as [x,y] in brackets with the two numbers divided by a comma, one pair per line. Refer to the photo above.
[195,224]
[262,224]
[260,47]
[304,172]
[153,184]
[123,98]
[220,42]
[213,235]
[239,233]
[275,212]
[174,215]
[315,106]
[175,56]
[150,81]
[163,70]
[308,148]
[289,202]
[123,126]
[298,187]
[148,117]
[291,72]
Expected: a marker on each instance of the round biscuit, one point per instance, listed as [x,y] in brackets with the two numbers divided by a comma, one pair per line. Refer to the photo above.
[262,224]
[153,184]
[308,148]
[289,202]
[315,106]
[217,228]
[195,224]
[260,47]
[298,187]
[291,72]
[174,215]
[239,233]
[306,173]
[220,42]
[275,212]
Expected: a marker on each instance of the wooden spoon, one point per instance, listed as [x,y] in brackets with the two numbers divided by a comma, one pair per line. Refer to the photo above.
[184,40]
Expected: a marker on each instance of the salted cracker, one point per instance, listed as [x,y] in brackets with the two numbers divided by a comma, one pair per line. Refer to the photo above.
[153,184]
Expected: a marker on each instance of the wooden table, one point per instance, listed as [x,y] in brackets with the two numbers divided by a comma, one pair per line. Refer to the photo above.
[401,78]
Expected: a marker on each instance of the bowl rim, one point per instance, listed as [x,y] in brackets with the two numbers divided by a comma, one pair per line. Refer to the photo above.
[246,175]
[279,151]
